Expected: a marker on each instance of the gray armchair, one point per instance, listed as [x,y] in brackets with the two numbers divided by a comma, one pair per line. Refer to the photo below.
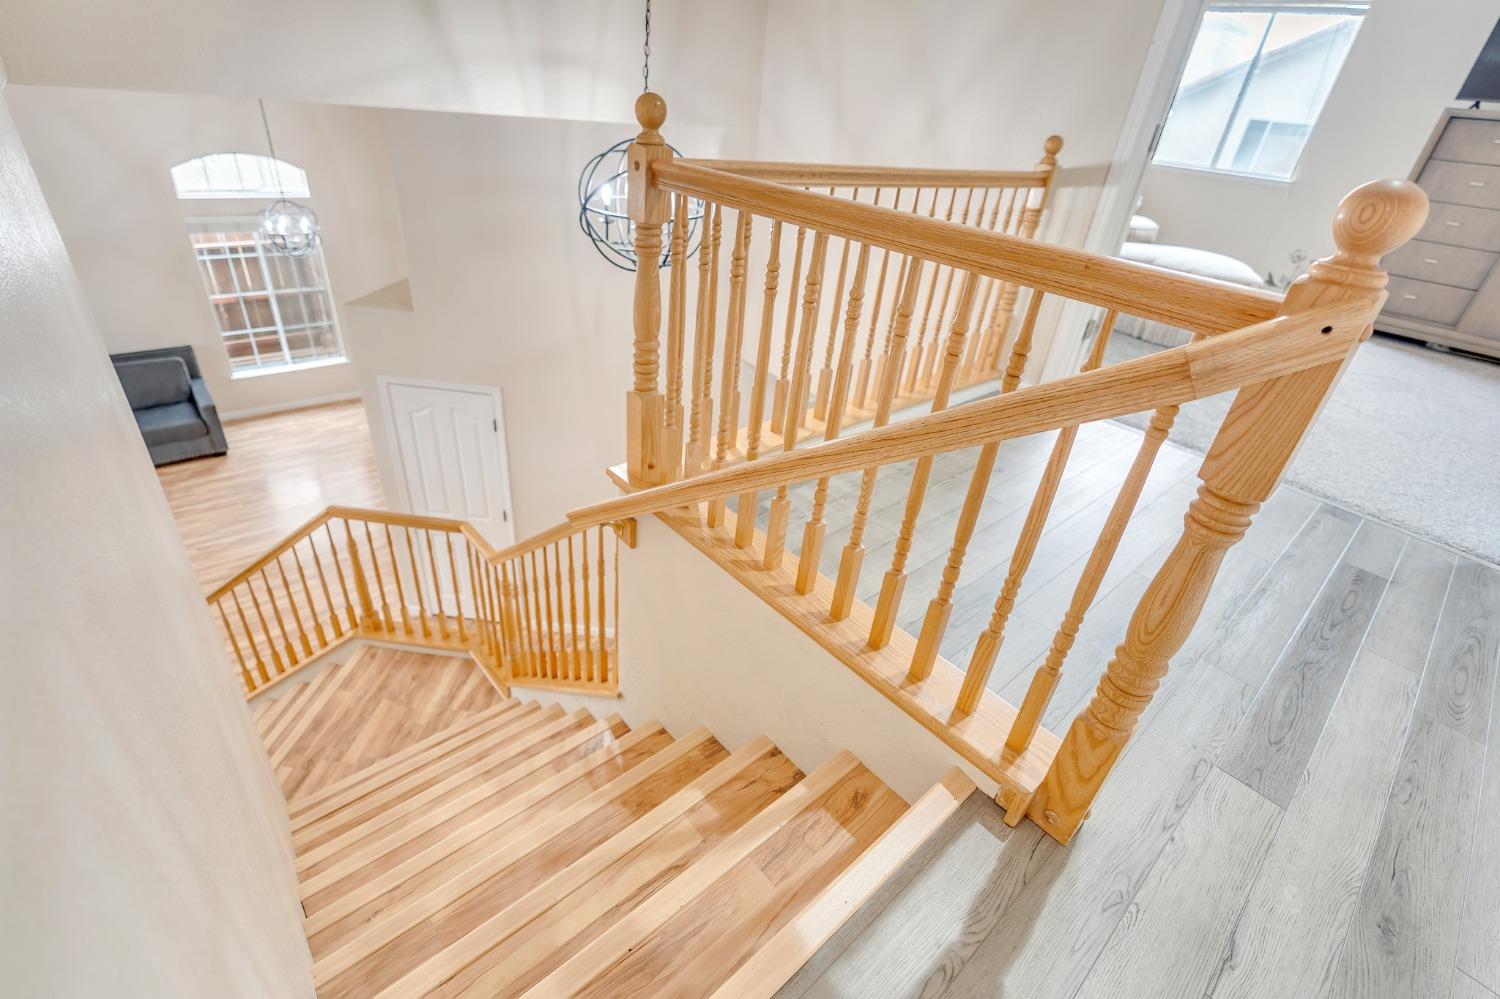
[171,404]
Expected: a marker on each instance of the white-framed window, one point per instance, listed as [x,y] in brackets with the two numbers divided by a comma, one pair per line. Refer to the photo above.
[1255,82]
[238,175]
[274,311]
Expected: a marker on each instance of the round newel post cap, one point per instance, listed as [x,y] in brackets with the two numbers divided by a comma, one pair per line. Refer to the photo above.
[1053,145]
[650,111]
[1375,218]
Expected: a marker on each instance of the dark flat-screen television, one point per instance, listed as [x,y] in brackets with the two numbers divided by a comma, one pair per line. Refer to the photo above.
[1483,83]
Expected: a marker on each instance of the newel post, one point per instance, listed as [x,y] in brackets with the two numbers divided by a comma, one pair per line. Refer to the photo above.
[650,455]
[1258,439]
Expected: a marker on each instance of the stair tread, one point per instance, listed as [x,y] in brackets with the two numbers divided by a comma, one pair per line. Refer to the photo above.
[779,958]
[398,940]
[708,920]
[477,795]
[523,728]
[522,944]
[487,776]
[322,689]
[459,739]
[303,806]
[330,882]
[286,706]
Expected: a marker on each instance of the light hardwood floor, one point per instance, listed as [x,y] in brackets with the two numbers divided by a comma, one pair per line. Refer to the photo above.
[1311,806]
[280,470]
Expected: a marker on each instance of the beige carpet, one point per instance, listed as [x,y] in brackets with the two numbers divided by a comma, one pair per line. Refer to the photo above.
[1411,436]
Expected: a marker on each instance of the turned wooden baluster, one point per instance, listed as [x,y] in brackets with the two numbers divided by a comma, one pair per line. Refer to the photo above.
[458,597]
[385,608]
[887,357]
[703,360]
[1044,681]
[744,524]
[894,582]
[997,325]
[291,601]
[862,375]
[796,401]
[437,587]
[1260,435]
[333,612]
[288,649]
[924,377]
[588,617]
[1030,219]
[783,380]
[390,545]
[987,647]
[940,608]
[853,557]
[234,643]
[570,633]
[649,452]
[554,652]
[676,319]
[312,606]
[825,376]
[260,664]
[971,359]
[416,575]
[919,346]
[700,457]
[603,633]
[729,385]
[812,534]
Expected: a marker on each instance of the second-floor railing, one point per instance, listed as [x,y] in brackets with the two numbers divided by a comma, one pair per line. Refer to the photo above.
[541,613]
[1283,355]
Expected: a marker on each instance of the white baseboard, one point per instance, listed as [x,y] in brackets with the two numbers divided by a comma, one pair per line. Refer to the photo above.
[283,407]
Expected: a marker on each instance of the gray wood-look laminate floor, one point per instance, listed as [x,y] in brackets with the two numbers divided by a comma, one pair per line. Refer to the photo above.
[1310,807]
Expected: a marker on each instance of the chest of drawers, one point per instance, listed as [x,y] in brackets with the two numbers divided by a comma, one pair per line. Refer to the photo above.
[1445,285]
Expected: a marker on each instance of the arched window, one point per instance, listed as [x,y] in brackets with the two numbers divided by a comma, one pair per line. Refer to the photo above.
[238,175]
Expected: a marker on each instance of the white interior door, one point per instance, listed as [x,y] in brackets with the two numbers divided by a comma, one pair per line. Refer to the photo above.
[450,442]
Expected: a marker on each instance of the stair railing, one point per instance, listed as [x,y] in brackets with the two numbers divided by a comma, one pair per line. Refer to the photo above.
[1282,355]
[540,613]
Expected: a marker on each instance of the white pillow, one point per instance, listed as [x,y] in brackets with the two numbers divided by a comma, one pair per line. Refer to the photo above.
[1190,260]
[1142,229]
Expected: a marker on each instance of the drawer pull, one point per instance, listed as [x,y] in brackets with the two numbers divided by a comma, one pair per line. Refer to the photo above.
[1453,223]
[1409,296]
[1476,183]
[1429,260]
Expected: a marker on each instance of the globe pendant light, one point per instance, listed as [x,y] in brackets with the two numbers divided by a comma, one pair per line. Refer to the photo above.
[290,227]
[603,192]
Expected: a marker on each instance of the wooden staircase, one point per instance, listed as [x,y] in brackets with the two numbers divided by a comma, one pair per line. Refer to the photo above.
[527,850]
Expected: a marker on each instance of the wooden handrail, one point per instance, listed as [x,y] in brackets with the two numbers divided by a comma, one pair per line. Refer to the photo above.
[1196,304]
[851,175]
[1276,347]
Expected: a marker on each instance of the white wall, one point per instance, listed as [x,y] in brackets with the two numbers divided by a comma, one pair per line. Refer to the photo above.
[578,59]
[508,293]
[1406,64]
[103,158]
[145,845]
[716,655]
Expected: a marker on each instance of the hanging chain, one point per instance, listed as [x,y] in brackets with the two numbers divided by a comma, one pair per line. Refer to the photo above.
[271,146]
[646,52]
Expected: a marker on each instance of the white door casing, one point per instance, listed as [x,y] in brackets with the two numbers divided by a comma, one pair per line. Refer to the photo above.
[449,446]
